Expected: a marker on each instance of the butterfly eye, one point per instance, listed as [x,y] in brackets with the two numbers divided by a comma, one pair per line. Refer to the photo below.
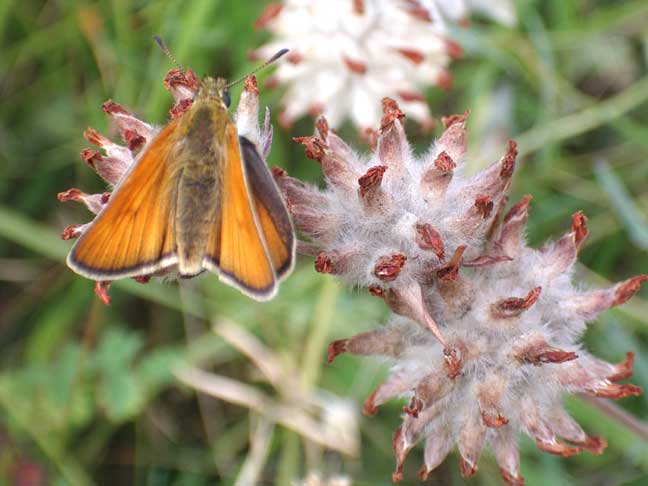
[226,97]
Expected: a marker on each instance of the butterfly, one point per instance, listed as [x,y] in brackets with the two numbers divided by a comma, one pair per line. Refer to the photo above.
[198,197]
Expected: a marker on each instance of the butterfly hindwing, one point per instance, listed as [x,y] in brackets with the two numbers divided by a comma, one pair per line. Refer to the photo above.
[236,249]
[271,212]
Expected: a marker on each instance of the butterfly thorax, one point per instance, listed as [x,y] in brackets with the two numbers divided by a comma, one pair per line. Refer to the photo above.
[201,158]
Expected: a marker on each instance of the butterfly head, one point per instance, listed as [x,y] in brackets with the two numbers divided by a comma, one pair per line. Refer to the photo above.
[214,89]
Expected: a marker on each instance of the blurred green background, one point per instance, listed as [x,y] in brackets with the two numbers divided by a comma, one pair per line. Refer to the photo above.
[88,393]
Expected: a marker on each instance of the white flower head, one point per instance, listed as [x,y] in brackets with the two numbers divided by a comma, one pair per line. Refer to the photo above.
[347,55]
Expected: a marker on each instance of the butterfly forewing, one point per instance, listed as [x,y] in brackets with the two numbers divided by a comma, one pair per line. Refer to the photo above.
[236,248]
[135,233]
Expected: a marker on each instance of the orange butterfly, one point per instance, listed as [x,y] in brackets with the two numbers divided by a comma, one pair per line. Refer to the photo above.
[198,197]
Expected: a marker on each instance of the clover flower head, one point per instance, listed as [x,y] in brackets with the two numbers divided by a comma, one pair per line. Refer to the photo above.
[483,340]
[346,55]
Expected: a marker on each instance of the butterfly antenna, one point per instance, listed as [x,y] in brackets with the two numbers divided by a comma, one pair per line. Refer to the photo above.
[166,50]
[276,56]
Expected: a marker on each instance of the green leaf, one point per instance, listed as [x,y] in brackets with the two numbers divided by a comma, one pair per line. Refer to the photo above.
[117,350]
[120,396]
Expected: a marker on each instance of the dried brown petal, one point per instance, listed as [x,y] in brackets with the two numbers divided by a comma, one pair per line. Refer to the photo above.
[180,108]
[388,267]
[279,172]
[376,291]
[371,180]
[484,205]
[72,231]
[355,66]
[427,238]
[418,11]
[627,289]
[177,79]
[110,107]
[508,163]
[415,406]
[489,396]
[322,127]
[101,290]
[450,270]
[409,96]
[543,353]
[453,360]
[294,57]
[251,85]
[334,262]
[510,237]
[511,480]
[270,12]
[454,50]
[412,54]
[94,202]
[535,426]
[593,444]
[555,447]
[315,110]
[623,369]
[394,386]
[506,452]
[400,448]
[391,113]
[579,229]
[315,147]
[444,80]
[323,263]
[567,428]
[448,121]
[336,348]
[514,306]
[444,162]
[470,444]
[380,342]
[437,446]
[435,179]
[614,391]
[592,303]
[432,388]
